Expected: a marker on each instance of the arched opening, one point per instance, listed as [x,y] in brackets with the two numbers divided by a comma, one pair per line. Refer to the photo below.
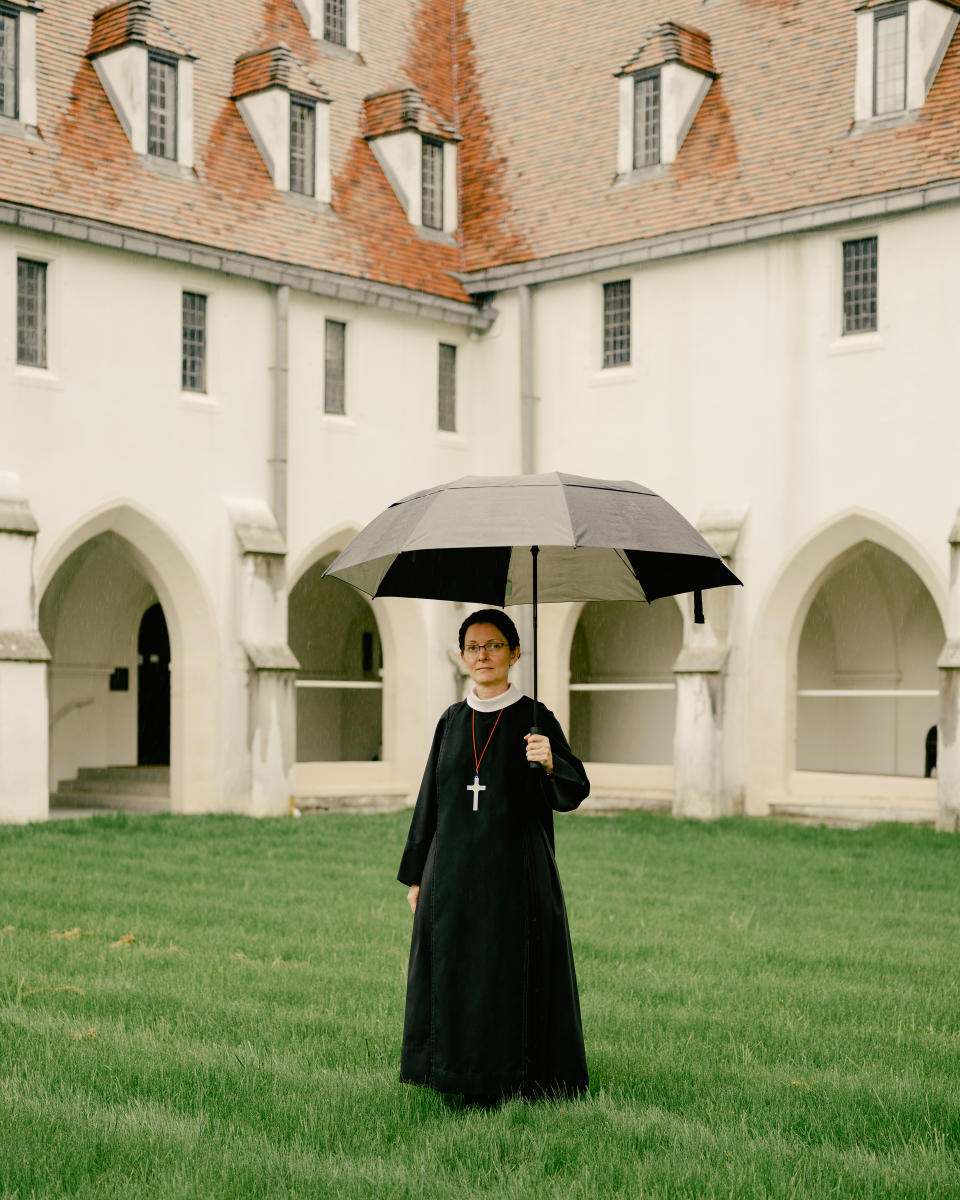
[867,686]
[334,634]
[622,688]
[153,689]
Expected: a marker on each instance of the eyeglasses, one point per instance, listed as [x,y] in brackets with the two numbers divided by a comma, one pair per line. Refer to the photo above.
[471,650]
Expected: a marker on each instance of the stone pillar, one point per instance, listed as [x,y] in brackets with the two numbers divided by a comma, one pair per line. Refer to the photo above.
[948,727]
[24,736]
[271,666]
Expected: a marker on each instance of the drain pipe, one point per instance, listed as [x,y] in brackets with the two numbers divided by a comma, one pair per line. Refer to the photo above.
[281,405]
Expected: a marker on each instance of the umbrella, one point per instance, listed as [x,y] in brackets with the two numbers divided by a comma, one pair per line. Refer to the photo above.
[522,539]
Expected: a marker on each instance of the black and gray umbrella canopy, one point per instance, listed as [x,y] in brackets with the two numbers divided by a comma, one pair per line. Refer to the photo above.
[471,540]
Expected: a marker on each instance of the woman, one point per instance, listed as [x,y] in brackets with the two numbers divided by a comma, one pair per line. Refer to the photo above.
[492,1007]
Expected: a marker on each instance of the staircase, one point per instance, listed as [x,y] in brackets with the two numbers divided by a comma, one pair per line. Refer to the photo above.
[118,789]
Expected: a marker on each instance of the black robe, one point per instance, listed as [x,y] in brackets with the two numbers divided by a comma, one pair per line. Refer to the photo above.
[492,1006]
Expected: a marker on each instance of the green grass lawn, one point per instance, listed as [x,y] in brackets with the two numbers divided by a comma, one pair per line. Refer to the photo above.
[212,1007]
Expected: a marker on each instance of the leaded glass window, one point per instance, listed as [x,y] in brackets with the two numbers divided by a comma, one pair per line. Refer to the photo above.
[161,107]
[447,388]
[8,64]
[890,60]
[193,375]
[303,141]
[432,184]
[334,368]
[616,323]
[646,120]
[335,22]
[860,285]
[31,313]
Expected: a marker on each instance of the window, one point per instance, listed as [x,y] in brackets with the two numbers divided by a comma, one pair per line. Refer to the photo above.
[860,285]
[335,22]
[193,375]
[303,143]
[646,121]
[431,192]
[8,63]
[334,363]
[616,323]
[161,107]
[31,313]
[447,389]
[890,60]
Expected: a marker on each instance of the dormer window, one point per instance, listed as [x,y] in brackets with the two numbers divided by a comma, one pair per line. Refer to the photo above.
[18,60]
[661,89]
[900,46]
[287,114]
[147,73]
[417,151]
[332,22]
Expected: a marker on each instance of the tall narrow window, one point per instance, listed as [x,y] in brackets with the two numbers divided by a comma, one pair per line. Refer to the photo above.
[447,389]
[334,367]
[616,323]
[646,121]
[8,63]
[335,22]
[890,60]
[431,193]
[31,313]
[193,374]
[860,285]
[161,108]
[303,141]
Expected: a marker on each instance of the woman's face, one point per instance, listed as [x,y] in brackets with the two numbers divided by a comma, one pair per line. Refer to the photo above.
[488,668]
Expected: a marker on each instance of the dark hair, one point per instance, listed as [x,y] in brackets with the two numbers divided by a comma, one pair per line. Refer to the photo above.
[491,616]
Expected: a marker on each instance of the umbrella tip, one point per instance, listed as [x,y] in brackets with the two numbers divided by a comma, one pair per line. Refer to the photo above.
[698,618]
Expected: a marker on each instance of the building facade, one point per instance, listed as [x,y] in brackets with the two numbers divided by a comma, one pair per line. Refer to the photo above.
[267,267]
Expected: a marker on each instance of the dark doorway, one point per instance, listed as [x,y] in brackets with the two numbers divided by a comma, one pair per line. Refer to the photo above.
[153,690]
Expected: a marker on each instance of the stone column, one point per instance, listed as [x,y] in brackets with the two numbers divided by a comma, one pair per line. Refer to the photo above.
[948,727]
[271,666]
[24,736]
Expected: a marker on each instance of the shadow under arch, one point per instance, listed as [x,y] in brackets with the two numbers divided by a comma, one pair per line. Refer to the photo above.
[774,643]
[195,668]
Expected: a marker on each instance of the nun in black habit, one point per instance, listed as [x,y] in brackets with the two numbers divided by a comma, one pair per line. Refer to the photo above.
[492,1007]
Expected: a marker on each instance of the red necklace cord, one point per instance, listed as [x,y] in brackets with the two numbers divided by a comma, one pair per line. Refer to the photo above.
[473,728]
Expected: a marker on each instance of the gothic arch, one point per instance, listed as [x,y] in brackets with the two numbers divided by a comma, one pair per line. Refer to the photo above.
[195,734]
[775,640]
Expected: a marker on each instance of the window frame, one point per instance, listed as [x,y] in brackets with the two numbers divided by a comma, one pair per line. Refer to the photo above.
[887,13]
[305,105]
[854,292]
[436,156]
[194,381]
[42,333]
[334,20]
[165,60]
[617,354]
[447,396]
[640,135]
[335,370]
[12,15]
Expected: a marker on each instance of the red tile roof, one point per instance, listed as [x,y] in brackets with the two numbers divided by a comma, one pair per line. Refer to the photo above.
[392,112]
[671,42]
[132,21]
[273,67]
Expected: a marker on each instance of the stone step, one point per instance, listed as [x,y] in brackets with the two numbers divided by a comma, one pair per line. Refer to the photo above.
[142,781]
[154,774]
[109,802]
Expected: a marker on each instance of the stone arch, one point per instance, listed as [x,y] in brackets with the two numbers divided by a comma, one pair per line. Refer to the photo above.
[772,705]
[195,671]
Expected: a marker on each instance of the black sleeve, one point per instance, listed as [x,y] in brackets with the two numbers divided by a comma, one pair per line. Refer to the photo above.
[568,785]
[423,824]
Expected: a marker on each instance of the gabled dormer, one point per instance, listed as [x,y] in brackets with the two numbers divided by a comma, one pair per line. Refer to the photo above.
[900,45]
[287,114]
[661,88]
[18,61]
[333,22]
[417,151]
[147,73]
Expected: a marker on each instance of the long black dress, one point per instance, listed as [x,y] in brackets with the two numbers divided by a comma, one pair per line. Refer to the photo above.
[492,1006]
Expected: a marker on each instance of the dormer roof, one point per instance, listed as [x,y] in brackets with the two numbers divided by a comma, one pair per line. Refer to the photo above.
[672,42]
[886,4]
[404,109]
[275,66]
[133,21]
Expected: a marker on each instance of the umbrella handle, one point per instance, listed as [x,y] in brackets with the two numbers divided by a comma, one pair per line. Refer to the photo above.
[535,766]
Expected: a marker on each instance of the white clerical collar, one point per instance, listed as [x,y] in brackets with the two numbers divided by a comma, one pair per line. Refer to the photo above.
[504,700]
